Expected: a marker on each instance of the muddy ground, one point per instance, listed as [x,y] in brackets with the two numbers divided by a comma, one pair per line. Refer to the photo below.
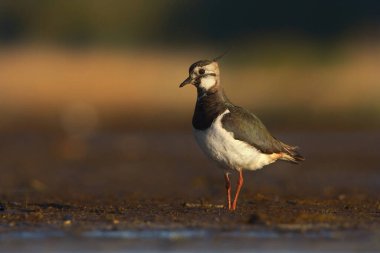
[135,189]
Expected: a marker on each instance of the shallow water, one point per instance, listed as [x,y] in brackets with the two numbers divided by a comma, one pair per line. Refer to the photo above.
[192,240]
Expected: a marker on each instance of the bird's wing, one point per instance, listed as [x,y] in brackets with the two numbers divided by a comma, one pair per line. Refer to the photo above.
[246,127]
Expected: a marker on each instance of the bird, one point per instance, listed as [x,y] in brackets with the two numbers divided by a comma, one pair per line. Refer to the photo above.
[231,135]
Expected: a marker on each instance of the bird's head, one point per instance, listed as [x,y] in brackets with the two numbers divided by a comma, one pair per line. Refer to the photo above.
[204,75]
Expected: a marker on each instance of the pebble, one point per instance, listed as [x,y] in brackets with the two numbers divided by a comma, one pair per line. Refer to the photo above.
[198,205]
[256,219]
[2,207]
[342,197]
[67,220]
[291,202]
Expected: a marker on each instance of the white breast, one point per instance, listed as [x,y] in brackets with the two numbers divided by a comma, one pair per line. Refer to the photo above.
[230,153]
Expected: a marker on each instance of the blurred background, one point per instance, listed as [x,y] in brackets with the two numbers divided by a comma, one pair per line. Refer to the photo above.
[89,90]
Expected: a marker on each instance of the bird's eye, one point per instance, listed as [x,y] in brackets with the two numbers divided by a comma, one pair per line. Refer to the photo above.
[201,71]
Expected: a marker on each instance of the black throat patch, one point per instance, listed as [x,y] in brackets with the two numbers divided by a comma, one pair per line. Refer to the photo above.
[208,107]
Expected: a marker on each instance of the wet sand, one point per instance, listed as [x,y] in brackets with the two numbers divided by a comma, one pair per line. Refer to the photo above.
[145,191]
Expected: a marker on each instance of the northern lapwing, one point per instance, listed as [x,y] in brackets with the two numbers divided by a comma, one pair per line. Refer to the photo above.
[231,135]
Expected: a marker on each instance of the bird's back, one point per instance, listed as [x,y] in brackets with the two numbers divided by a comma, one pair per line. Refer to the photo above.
[248,128]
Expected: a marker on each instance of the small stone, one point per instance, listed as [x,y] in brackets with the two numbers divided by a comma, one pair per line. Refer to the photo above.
[2,207]
[256,219]
[39,215]
[260,196]
[191,205]
[342,197]
[291,202]
[67,220]
[37,185]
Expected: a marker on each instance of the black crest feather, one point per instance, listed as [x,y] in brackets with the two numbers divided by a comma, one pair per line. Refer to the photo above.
[222,55]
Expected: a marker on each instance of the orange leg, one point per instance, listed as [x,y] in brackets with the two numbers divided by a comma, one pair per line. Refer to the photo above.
[228,188]
[238,188]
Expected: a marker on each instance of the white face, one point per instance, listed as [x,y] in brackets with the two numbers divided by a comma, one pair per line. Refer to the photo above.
[207,75]
[207,82]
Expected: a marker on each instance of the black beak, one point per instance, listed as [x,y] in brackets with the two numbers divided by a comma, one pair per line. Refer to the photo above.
[187,81]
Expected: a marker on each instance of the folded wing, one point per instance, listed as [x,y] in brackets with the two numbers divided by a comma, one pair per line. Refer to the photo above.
[246,127]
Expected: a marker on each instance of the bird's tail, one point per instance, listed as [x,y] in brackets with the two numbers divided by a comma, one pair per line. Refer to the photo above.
[291,154]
